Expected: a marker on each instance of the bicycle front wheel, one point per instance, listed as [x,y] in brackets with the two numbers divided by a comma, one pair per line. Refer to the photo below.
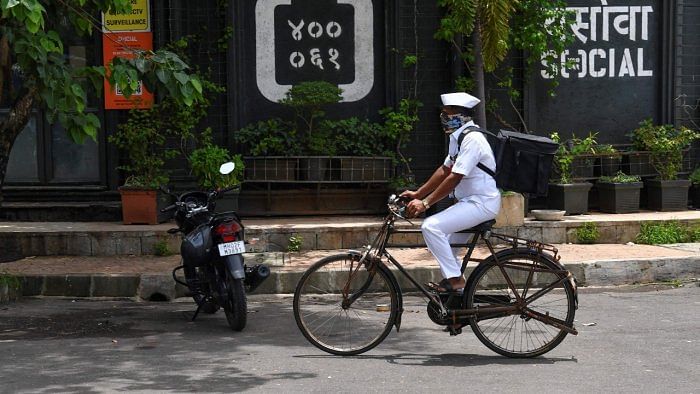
[547,293]
[345,307]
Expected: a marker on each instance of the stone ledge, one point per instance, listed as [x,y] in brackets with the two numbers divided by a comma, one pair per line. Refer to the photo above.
[145,286]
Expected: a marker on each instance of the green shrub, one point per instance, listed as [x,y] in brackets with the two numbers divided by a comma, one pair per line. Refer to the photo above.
[587,233]
[694,234]
[570,149]
[666,144]
[295,242]
[205,163]
[308,99]
[670,232]
[695,177]
[12,282]
[355,137]
[620,177]
[272,137]
[161,248]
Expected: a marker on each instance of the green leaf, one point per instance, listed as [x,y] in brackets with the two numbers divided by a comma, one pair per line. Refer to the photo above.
[140,64]
[181,77]
[162,75]
[10,3]
[197,85]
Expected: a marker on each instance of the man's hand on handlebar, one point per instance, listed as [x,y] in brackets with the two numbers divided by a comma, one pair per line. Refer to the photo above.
[409,195]
[415,208]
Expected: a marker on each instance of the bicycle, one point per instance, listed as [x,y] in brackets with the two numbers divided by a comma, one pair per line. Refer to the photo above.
[519,302]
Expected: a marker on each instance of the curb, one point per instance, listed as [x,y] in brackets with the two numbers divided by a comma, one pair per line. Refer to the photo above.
[161,287]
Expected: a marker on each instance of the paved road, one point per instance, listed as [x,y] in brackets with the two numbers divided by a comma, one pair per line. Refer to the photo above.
[643,340]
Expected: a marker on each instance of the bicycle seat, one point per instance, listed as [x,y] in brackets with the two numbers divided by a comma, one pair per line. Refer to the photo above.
[485,226]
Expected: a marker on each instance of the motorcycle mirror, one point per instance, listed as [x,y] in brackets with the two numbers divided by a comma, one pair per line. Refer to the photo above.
[227,168]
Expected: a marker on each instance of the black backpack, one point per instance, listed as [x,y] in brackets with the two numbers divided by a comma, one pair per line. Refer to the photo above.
[523,161]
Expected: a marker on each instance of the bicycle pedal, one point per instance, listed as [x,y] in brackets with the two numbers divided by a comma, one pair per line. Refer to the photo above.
[455,331]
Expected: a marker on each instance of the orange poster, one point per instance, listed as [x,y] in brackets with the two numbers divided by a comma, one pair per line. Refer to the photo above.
[123,45]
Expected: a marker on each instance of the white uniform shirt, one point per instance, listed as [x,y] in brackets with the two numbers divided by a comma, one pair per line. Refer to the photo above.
[476,185]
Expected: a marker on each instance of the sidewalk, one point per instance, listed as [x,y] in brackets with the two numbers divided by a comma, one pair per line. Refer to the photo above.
[93,259]
[149,277]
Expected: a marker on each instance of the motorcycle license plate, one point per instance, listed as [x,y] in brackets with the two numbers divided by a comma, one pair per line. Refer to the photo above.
[229,248]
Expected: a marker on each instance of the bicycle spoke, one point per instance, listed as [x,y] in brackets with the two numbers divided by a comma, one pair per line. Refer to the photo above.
[546,296]
[347,324]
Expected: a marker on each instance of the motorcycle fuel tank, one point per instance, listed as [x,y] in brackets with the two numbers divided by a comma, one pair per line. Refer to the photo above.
[196,246]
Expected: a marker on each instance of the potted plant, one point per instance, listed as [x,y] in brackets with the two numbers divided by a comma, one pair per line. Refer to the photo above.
[695,187]
[583,153]
[565,194]
[619,193]
[361,149]
[205,163]
[665,144]
[270,143]
[142,139]
[307,100]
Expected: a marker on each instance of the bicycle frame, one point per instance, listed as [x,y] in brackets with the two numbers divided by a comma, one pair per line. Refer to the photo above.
[381,242]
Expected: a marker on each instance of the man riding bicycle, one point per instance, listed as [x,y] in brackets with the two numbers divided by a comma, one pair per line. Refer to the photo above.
[477,198]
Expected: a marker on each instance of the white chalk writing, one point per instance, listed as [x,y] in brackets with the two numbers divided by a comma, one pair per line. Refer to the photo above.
[607,23]
[315,30]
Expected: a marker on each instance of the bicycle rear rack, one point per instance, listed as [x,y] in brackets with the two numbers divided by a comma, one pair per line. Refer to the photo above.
[537,246]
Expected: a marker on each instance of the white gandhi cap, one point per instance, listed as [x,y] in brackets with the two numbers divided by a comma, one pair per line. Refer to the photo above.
[459,99]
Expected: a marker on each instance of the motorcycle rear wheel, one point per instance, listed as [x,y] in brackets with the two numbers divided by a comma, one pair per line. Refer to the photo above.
[236,307]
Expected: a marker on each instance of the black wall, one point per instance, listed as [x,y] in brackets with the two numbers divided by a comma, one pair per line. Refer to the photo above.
[618,81]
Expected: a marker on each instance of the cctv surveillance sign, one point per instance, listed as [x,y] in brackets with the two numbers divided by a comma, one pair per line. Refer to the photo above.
[300,41]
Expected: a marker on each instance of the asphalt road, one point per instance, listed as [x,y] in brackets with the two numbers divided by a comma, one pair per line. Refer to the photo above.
[631,340]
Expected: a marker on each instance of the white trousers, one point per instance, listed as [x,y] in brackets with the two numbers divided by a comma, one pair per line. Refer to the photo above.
[440,230]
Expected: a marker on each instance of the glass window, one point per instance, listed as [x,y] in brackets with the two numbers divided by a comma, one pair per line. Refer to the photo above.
[23,164]
[73,162]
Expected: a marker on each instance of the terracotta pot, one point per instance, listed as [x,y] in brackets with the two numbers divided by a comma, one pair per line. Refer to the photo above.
[142,206]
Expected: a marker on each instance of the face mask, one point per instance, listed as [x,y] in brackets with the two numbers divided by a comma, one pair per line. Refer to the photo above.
[450,123]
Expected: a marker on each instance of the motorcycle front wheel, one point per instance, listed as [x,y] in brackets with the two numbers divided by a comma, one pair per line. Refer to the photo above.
[235,306]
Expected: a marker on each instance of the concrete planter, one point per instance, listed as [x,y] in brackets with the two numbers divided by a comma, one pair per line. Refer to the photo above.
[619,197]
[695,196]
[228,202]
[572,197]
[667,195]
[512,213]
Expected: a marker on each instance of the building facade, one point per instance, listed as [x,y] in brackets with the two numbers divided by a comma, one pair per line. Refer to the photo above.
[636,60]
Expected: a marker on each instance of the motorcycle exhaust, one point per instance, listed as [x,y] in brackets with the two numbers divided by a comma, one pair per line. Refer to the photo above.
[256,275]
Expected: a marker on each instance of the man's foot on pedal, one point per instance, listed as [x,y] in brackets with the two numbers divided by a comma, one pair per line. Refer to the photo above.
[447,285]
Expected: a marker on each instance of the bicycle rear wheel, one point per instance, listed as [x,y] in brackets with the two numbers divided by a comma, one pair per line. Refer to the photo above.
[547,293]
[344,310]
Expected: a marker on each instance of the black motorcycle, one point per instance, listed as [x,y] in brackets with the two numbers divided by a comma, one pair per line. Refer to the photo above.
[212,260]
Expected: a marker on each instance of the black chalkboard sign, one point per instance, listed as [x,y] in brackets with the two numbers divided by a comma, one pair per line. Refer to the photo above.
[314,43]
[616,83]
[282,43]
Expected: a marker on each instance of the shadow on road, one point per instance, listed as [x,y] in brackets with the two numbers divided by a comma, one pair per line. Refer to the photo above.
[450,359]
